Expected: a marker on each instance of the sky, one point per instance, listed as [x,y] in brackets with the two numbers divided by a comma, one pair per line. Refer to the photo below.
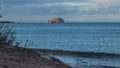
[69,10]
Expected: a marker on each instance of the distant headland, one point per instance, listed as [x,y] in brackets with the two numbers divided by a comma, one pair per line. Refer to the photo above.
[55,20]
[6,22]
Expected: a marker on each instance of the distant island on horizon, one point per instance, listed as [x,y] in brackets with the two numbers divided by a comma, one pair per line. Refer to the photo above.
[55,20]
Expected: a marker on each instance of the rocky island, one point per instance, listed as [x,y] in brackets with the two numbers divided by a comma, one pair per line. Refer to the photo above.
[55,20]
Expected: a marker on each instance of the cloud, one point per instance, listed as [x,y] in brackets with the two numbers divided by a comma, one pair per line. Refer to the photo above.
[62,7]
[106,2]
[70,4]
[62,4]
[88,7]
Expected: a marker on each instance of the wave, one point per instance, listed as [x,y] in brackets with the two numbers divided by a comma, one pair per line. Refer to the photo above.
[81,54]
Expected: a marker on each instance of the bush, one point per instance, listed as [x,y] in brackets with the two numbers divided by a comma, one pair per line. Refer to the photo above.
[7,35]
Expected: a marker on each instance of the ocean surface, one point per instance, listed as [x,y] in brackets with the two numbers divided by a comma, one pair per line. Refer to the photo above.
[80,37]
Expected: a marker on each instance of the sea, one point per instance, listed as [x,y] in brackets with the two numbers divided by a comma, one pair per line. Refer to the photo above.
[93,38]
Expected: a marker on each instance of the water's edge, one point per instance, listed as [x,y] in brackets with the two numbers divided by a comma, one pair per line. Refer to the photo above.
[76,53]
[64,53]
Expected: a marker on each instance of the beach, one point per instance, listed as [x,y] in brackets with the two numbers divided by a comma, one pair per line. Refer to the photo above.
[17,57]
[11,57]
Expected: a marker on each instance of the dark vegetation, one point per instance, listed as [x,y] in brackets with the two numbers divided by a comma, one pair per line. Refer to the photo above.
[7,35]
[8,38]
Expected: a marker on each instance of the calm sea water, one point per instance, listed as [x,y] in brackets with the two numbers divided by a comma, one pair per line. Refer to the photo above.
[82,37]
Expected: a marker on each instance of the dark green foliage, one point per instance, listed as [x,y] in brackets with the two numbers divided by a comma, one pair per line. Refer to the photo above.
[7,35]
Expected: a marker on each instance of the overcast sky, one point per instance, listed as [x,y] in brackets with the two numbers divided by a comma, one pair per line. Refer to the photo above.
[69,10]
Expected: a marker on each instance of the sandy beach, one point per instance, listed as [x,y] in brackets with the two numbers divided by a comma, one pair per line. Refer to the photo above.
[11,57]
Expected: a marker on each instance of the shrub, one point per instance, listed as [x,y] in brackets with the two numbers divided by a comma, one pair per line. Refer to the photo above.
[7,35]
[28,43]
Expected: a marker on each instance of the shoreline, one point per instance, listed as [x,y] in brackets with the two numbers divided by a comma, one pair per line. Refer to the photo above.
[67,54]
[77,53]
[12,57]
